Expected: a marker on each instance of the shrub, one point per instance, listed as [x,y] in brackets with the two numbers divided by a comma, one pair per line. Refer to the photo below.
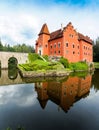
[46,57]
[64,62]
[33,56]
[78,66]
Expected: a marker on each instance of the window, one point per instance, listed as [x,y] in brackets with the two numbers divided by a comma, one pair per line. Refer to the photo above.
[73,46]
[51,46]
[78,46]
[55,52]
[46,46]
[66,44]
[58,45]
[64,93]
[67,51]
[71,92]
[73,52]
[59,51]
[70,35]
[55,45]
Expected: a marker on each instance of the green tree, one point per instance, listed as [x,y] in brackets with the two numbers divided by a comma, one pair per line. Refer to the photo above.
[1,46]
[17,48]
[96,51]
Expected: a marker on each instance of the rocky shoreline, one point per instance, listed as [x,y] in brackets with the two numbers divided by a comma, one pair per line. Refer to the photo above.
[48,73]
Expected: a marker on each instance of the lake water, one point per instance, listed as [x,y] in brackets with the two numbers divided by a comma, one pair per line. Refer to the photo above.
[66,103]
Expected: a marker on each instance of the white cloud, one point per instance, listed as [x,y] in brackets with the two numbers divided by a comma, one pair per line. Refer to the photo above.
[21,95]
[14,25]
[21,25]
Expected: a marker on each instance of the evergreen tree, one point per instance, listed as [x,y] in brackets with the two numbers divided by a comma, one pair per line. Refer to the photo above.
[96,50]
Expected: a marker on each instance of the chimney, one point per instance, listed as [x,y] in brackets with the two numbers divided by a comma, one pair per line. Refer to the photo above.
[61,27]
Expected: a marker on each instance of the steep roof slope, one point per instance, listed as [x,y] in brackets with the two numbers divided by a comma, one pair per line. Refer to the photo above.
[56,34]
[44,30]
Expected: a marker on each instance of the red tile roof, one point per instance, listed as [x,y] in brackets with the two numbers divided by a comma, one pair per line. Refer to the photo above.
[85,38]
[56,34]
[59,33]
[44,30]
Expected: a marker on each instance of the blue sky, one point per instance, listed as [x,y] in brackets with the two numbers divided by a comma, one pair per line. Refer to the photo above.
[21,20]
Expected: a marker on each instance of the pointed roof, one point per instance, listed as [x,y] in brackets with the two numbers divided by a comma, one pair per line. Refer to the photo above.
[43,103]
[44,30]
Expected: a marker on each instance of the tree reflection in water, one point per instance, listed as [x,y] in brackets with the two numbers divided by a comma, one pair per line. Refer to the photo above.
[19,128]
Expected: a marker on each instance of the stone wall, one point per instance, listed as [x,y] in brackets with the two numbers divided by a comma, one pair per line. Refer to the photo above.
[4,57]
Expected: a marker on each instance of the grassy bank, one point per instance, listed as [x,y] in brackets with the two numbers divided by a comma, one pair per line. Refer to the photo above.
[41,66]
[96,64]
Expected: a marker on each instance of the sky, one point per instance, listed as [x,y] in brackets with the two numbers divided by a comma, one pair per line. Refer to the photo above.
[21,20]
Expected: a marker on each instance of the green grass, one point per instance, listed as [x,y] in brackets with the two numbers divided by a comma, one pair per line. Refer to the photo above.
[96,64]
[41,65]
[36,63]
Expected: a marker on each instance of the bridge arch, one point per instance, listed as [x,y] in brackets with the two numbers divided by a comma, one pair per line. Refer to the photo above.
[5,56]
[12,61]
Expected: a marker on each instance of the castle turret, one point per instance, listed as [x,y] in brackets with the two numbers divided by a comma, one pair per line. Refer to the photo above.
[42,41]
[44,30]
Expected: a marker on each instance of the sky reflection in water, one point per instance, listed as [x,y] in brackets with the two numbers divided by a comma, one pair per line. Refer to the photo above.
[34,106]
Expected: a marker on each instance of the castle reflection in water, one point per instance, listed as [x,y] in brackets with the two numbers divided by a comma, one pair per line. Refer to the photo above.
[64,94]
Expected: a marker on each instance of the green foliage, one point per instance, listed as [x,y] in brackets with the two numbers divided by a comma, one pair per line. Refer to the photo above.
[96,64]
[36,65]
[19,128]
[79,74]
[78,66]
[41,65]
[96,51]
[64,62]
[9,128]
[33,56]
[1,46]
[17,48]
[23,48]
[46,57]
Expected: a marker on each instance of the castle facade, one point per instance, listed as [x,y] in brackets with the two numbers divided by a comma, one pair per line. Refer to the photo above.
[65,42]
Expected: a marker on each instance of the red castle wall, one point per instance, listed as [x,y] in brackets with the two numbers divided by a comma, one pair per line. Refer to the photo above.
[66,42]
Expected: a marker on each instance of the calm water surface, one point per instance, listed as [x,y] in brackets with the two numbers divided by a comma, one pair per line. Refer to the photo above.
[70,103]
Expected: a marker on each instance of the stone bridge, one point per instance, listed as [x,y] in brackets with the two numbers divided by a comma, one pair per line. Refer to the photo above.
[5,56]
[5,78]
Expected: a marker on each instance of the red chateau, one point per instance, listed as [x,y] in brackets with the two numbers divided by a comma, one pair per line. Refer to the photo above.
[66,42]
